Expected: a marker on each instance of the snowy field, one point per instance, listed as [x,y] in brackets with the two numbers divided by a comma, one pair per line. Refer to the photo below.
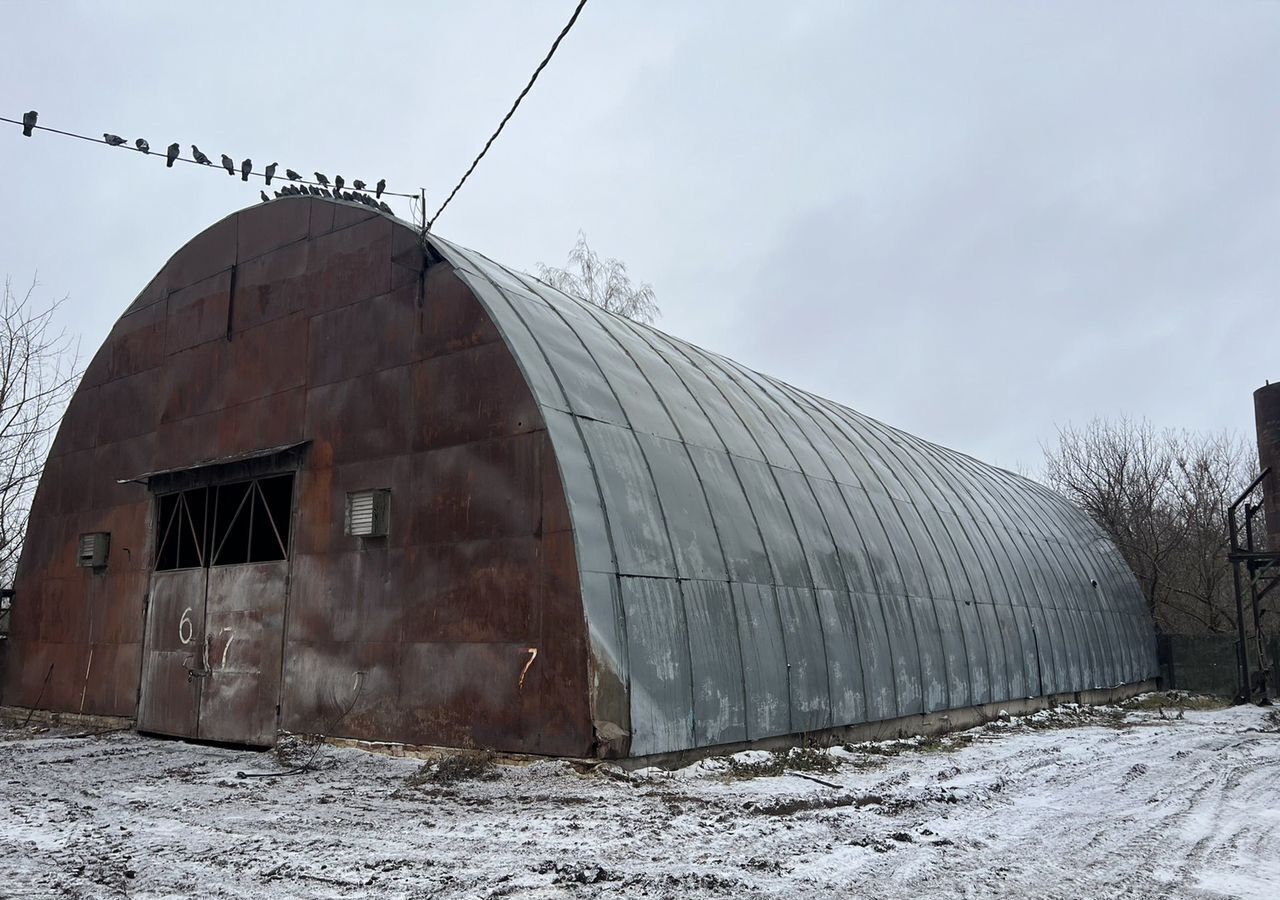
[1110,802]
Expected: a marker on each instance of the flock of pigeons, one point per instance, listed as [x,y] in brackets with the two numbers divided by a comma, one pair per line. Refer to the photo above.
[246,169]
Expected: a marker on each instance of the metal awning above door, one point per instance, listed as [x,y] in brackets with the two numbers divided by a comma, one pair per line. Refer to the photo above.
[285,455]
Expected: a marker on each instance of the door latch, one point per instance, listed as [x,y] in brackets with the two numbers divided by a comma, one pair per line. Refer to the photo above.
[204,671]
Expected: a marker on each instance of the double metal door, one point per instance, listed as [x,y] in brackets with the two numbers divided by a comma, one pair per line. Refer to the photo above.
[215,616]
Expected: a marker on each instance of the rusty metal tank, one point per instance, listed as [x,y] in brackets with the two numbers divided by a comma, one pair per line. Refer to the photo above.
[588,537]
[1266,412]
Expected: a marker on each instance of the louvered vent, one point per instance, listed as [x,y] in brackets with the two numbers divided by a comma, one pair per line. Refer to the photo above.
[369,513]
[93,549]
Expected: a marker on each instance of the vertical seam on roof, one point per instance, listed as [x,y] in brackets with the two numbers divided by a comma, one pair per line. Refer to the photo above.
[912,467]
[844,572]
[1082,556]
[600,317]
[1031,541]
[880,591]
[755,520]
[937,477]
[871,470]
[1057,563]
[988,510]
[800,541]
[865,434]
[795,530]
[666,526]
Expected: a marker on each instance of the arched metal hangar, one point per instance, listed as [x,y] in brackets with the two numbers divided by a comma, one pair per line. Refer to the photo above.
[326,476]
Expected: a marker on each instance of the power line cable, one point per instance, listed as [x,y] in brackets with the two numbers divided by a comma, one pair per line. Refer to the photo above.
[133,149]
[536,72]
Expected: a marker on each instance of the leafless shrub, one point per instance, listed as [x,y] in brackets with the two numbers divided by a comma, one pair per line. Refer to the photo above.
[1162,497]
[605,283]
[38,373]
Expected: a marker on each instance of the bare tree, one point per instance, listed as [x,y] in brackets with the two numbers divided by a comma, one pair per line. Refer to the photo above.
[38,373]
[602,282]
[1162,498]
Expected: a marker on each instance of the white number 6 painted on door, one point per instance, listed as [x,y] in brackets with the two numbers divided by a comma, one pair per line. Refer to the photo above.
[185,628]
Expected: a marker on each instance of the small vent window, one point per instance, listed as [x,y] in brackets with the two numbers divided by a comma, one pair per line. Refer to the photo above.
[369,513]
[93,550]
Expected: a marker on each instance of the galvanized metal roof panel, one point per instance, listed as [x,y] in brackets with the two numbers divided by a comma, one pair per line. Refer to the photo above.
[757,560]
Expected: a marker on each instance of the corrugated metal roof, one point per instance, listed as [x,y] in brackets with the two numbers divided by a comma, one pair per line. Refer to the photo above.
[758,561]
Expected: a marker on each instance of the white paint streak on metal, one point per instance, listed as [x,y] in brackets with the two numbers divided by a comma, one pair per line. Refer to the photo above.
[533,654]
[227,646]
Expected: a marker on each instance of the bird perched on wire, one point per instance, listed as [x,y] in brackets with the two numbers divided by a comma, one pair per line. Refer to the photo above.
[320,178]
[291,175]
[381,186]
[229,164]
[270,172]
[338,182]
[141,144]
[245,168]
[200,157]
[358,184]
[113,139]
[29,122]
[170,155]
[263,195]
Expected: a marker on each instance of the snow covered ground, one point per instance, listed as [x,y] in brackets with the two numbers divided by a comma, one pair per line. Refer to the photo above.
[1068,803]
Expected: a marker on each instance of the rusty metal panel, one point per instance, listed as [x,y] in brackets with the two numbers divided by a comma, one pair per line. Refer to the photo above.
[244,620]
[357,339]
[351,415]
[198,313]
[275,226]
[474,394]
[170,698]
[530,356]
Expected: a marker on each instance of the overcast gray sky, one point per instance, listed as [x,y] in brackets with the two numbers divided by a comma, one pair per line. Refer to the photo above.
[973,221]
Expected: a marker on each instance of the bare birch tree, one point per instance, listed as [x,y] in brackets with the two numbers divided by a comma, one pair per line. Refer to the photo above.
[604,282]
[1162,498]
[38,373]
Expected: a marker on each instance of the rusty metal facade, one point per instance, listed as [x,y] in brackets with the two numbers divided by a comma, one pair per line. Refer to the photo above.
[604,539]
[310,330]
[757,561]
